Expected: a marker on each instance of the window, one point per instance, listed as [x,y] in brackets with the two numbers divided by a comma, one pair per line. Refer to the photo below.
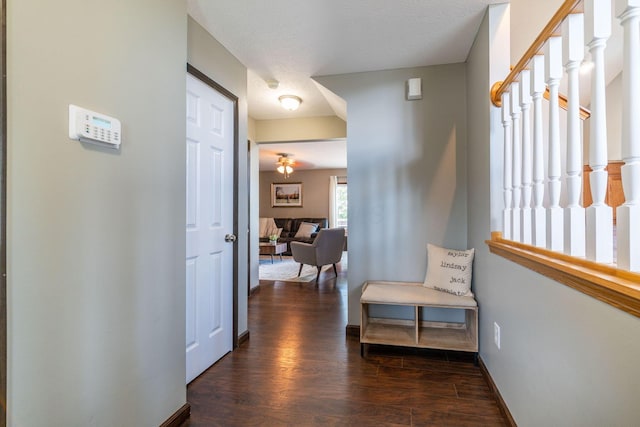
[341,205]
[338,202]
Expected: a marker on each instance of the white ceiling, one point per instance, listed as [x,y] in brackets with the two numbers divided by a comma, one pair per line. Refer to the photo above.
[292,40]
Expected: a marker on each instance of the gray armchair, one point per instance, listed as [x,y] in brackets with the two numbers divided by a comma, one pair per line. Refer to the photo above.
[326,249]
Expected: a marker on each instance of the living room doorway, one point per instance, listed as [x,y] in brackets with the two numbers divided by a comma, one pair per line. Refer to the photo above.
[295,206]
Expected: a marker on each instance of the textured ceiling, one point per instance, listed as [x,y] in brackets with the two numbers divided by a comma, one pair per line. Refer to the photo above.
[292,40]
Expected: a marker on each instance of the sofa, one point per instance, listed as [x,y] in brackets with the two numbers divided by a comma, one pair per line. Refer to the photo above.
[288,228]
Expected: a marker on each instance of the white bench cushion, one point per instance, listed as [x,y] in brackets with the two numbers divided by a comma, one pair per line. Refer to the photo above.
[410,293]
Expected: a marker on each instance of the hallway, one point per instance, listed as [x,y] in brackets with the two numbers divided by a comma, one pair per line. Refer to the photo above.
[299,369]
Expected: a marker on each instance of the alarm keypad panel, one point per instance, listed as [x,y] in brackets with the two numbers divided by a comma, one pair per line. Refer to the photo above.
[89,126]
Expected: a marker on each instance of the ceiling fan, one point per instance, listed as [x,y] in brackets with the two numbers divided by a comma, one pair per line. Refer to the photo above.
[285,164]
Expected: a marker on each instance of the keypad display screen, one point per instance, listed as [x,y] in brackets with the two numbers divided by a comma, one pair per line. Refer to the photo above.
[97,121]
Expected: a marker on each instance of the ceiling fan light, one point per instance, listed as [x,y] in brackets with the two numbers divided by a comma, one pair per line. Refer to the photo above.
[290,102]
[284,165]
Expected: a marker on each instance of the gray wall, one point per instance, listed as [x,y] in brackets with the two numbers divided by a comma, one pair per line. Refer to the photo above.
[529,17]
[209,56]
[315,193]
[565,358]
[96,238]
[407,171]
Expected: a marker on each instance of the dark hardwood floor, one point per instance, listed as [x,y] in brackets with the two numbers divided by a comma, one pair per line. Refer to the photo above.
[300,369]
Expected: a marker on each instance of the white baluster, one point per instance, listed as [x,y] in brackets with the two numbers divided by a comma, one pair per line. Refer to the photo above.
[525,103]
[574,215]
[507,176]
[517,162]
[539,225]
[599,215]
[553,74]
[628,215]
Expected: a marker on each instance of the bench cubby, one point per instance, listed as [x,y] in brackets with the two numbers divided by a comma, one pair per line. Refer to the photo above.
[416,332]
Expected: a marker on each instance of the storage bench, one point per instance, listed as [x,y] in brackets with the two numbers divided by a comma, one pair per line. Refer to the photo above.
[417,332]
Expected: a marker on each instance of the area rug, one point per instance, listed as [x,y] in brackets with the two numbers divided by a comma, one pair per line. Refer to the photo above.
[287,269]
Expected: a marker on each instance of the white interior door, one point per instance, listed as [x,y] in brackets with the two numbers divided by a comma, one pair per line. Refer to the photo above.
[209,257]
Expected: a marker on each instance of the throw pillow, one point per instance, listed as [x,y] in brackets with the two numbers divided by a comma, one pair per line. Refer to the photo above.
[305,230]
[449,270]
[263,227]
[267,225]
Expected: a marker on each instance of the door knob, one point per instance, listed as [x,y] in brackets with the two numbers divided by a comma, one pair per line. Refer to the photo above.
[230,238]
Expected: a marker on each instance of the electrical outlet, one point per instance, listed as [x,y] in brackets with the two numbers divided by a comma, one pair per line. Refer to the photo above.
[496,334]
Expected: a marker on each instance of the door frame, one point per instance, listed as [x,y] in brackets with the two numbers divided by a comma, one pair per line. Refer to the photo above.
[234,99]
[3,213]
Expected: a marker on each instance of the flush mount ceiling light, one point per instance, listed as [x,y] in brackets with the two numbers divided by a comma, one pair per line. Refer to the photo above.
[273,84]
[285,164]
[290,102]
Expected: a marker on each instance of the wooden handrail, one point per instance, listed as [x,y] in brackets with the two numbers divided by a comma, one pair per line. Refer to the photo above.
[605,282]
[567,8]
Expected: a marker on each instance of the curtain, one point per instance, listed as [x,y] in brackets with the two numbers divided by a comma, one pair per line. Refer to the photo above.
[333,213]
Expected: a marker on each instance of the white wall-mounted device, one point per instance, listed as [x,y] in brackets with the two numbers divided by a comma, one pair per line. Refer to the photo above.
[89,126]
[414,89]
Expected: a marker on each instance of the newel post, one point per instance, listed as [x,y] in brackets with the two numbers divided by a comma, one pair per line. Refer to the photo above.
[628,214]
[553,74]
[599,215]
